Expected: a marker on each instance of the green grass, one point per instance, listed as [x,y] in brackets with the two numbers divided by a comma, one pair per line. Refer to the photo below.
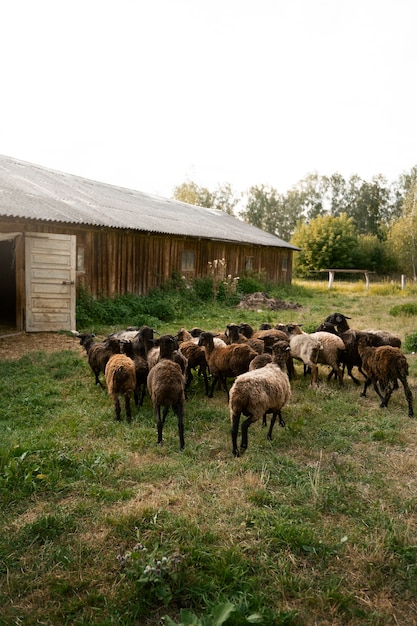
[318,526]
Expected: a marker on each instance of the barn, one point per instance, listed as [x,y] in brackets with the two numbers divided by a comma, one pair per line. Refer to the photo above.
[59,232]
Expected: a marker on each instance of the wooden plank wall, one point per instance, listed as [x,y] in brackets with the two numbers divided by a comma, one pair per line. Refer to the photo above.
[118,262]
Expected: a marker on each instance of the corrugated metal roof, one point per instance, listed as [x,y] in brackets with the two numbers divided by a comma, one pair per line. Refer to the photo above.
[29,191]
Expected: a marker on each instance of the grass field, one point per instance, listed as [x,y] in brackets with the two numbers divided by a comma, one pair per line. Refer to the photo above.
[101,526]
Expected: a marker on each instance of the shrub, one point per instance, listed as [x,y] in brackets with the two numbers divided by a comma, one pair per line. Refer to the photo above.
[203,288]
[251,284]
[410,342]
[408,309]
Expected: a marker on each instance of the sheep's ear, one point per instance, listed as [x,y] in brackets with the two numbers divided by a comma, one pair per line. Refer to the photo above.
[75,333]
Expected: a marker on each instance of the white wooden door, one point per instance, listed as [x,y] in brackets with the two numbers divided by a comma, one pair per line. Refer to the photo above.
[50,281]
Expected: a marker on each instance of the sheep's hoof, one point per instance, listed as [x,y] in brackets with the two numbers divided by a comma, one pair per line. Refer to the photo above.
[243,449]
[363,395]
[383,405]
[281,423]
[410,413]
[236,453]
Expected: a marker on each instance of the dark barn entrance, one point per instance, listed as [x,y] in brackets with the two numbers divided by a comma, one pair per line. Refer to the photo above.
[7,285]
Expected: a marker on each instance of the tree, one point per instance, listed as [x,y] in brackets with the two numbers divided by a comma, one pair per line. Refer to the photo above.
[326,242]
[271,211]
[222,198]
[192,193]
[403,234]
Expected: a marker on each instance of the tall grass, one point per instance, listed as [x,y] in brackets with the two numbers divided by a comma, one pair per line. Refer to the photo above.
[102,526]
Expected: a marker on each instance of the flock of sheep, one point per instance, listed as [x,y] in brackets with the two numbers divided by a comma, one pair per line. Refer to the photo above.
[260,362]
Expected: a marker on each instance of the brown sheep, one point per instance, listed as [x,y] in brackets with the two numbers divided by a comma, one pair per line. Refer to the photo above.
[383,366]
[120,379]
[166,384]
[225,361]
[97,354]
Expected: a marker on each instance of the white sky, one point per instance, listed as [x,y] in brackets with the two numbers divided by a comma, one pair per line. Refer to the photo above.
[149,93]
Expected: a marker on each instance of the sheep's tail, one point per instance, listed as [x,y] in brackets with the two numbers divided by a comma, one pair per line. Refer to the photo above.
[121,375]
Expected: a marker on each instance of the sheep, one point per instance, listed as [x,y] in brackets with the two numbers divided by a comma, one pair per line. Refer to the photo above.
[383,366]
[265,331]
[235,336]
[97,354]
[280,355]
[260,361]
[194,334]
[166,385]
[120,378]
[306,348]
[151,349]
[256,393]
[132,349]
[350,357]
[196,358]
[339,321]
[332,346]
[225,361]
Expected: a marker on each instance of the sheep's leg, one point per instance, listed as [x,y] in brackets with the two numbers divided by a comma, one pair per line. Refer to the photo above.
[368,382]
[314,375]
[142,394]
[203,372]
[189,380]
[117,408]
[179,412]
[98,381]
[355,380]
[408,396]
[213,384]
[264,420]
[290,368]
[160,419]
[272,424]
[235,429]
[127,407]
[384,399]
[245,426]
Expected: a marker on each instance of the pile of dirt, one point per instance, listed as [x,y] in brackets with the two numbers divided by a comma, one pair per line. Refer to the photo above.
[260,300]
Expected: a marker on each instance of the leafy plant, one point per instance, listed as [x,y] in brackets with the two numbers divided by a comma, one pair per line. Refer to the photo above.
[156,574]
[216,617]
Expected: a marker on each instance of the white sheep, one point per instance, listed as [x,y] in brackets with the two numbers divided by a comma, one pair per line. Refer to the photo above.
[256,393]
[306,348]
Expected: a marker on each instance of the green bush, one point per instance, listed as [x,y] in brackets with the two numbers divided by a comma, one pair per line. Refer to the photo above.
[251,284]
[408,309]
[410,342]
[203,288]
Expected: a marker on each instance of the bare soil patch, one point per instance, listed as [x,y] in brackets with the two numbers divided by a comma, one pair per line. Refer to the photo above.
[14,346]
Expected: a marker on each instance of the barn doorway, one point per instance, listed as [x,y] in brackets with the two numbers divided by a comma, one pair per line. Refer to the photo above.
[7,285]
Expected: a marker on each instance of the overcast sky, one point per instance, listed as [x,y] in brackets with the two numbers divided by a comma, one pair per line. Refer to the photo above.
[146,94]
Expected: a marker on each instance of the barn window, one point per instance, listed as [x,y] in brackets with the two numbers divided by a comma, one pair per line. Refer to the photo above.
[249,263]
[80,258]
[284,265]
[187,261]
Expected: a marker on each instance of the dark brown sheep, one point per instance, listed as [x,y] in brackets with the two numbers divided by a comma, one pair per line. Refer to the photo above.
[384,366]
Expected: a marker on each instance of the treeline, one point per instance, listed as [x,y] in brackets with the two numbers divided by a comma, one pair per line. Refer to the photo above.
[337,222]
